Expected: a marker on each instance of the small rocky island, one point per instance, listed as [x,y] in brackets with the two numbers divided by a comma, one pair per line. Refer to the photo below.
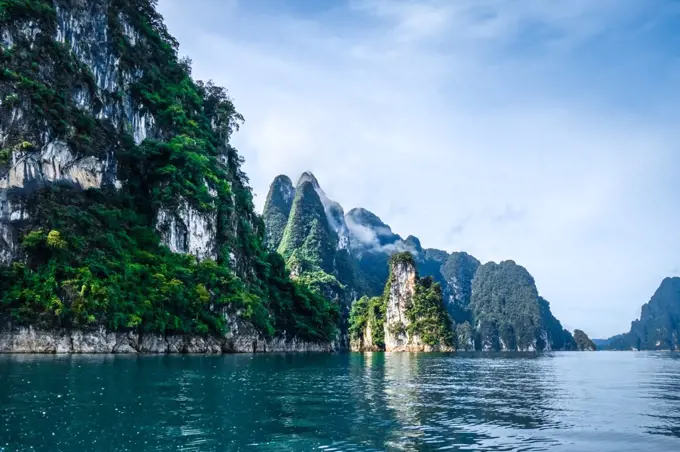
[583,342]
[409,316]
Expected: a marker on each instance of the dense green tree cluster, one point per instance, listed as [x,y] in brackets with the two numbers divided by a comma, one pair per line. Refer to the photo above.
[426,314]
[368,313]
[509,313]
[93,256]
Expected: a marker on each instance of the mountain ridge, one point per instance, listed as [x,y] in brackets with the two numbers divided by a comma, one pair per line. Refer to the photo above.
[371,244]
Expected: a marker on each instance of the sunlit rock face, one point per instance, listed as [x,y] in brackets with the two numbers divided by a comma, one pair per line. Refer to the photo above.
[35,153]
[242,338]
[38,157]
[400,298]
[186,230]
[401,292]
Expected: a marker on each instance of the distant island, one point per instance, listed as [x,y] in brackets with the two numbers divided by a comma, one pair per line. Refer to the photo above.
[659,325]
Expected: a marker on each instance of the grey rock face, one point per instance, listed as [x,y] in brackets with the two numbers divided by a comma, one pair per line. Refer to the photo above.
[401,292]
[244,340]
[39,157]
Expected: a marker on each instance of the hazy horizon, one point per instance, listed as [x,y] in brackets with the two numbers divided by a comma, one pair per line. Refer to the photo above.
[510,130]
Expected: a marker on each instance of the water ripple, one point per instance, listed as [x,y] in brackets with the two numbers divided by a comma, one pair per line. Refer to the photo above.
[357,402]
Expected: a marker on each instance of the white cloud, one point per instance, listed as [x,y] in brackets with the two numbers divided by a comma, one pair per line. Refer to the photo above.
[474,125]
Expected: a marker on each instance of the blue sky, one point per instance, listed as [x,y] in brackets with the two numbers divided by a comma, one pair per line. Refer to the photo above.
[539,131]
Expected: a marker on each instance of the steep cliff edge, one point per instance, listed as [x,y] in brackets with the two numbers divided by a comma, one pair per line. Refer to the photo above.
[658,327]
[123,205]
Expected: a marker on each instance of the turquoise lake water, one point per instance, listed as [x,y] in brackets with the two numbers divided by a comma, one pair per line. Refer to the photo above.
[604,401]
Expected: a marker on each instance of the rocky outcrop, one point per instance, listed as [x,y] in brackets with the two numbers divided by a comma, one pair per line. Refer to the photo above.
[402,288]
[40,155]
[408,317]
[583,342]
[122,200]
[186,230]
[277,209]
[242,338]
[400,299]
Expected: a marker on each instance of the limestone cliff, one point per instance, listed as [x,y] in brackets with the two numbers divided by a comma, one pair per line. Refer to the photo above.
[410,312]
[277,209]
[583,342]
[123,205]
[400,292]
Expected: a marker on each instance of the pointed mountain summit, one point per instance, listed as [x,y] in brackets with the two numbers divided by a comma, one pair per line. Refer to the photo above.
[308,242]
[277,209]
[313,238]
[308,176]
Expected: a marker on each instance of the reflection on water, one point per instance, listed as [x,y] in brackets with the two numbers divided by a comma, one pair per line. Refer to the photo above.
[373,401]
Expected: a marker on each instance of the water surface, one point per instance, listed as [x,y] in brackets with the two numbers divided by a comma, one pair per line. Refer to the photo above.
[605,401]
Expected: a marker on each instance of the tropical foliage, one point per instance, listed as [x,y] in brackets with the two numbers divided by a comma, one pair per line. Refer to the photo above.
[94,256]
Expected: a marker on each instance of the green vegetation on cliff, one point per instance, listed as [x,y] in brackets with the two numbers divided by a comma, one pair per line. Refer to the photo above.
[277,209]
[368,314]
[510,314]
[424,311]
[94,256]
[427,316]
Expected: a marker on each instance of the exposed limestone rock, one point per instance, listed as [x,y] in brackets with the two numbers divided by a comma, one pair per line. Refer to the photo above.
[365,344]
[242,339]
[402,290]
[188,231]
